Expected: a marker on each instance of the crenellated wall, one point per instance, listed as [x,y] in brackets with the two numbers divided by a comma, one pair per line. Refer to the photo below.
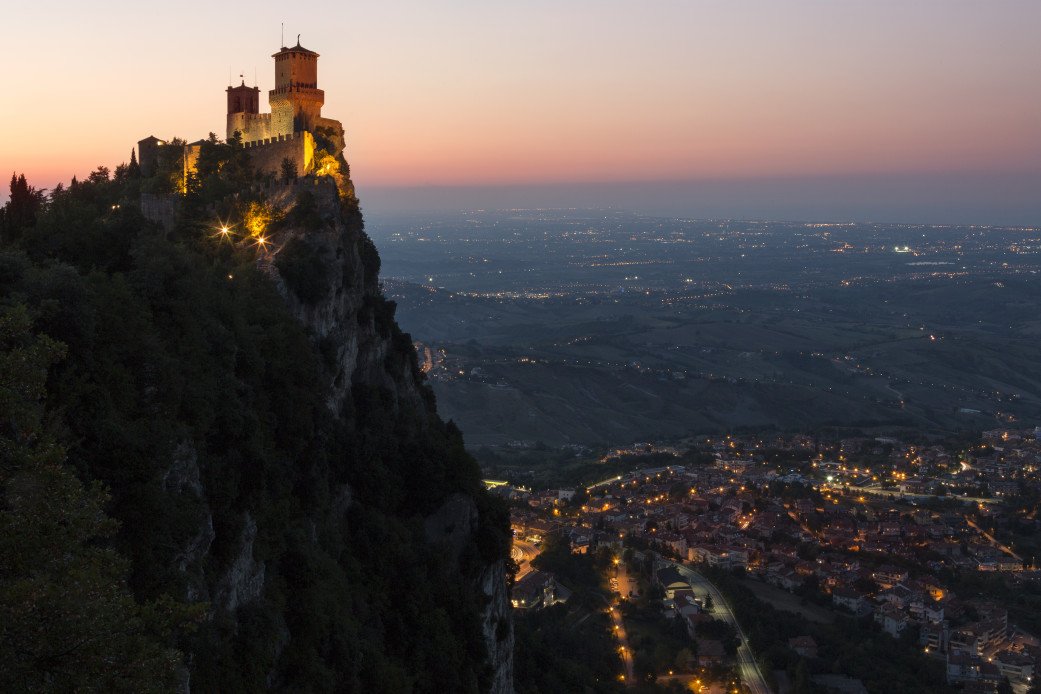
[253,126]
[268,154]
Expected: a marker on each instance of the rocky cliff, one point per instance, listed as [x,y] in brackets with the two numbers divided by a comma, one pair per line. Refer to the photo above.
[359,347]
[236,382]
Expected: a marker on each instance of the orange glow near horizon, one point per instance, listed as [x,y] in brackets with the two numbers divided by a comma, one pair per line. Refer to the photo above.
[475,94]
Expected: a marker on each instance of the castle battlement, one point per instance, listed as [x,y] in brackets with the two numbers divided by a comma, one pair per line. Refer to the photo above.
[288,132]
[272,140]
[296,101]
[296,88]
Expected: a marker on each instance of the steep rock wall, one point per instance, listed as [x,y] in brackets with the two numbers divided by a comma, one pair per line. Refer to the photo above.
[348,323]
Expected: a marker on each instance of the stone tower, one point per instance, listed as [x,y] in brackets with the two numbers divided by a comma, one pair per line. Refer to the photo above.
[244,111]
[243,99]
[295,129]
[296,101]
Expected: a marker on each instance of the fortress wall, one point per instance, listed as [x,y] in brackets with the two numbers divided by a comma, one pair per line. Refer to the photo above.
[253,126]
[161,209]
[281,116]
[191,159]
[147,156]
[267,155]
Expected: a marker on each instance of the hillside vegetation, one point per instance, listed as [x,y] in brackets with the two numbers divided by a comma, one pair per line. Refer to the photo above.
[177,489]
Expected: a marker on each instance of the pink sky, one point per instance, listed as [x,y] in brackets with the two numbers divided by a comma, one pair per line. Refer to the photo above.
[471,93]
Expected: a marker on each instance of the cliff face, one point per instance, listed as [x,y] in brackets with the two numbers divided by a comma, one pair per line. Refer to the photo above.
[356,348]
[336,297]
[498,627]
[260,426]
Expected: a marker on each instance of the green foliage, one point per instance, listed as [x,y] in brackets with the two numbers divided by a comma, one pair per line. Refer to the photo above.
[179,349]
[564,650]
[305,212]
[21,209]
[571,647]
[657,641]
[168,176]
[288,170]
[578,572]
[67,618]
[324,136]
[851,646]
[305,269]
[105,228]
[370,259]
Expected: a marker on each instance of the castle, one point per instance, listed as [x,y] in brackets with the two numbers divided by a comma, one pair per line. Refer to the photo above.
[294,131]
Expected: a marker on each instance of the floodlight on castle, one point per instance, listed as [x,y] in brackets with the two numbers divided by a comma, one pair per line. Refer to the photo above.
[294,131]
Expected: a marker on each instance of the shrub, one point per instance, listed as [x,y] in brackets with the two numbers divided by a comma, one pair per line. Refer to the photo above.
[304,269]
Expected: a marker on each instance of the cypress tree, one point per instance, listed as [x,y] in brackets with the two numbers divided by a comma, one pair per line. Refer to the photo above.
[20,211]
[134,170]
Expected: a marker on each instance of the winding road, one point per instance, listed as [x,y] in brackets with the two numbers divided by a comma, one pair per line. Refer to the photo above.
[523,552]
[747,665]
[993,540]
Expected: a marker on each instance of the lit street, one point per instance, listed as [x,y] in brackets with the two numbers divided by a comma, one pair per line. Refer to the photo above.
[747,665]
[990,538]
[623,640]
[896,495]
[627,587]
[523,552]
[694,684]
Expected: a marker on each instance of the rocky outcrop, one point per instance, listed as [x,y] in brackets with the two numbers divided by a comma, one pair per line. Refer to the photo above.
[347,334]
[498,628]
[326,270]
[348,329]
[183,479]
[452,525]
[244,580]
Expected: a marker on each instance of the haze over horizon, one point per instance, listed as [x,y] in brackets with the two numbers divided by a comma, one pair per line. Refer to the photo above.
[867,111]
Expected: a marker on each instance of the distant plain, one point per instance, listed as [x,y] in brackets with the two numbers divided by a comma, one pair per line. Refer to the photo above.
[604,328]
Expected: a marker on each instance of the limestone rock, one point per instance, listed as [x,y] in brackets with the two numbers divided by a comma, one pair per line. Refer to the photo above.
[244,580]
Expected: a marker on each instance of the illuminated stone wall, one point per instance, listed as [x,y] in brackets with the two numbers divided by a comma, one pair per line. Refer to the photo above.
[191,160]
[291,112]
[253,126]
[296,101]
[281,114]
[295,109]
[267,155]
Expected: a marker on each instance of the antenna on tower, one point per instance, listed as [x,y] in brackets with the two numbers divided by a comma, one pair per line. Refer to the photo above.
[254,75]
[283,34]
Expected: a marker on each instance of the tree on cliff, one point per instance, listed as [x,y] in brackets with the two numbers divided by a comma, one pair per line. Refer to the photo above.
[21,210]
[67,619]
[201,403]
[134,169]
[288,170]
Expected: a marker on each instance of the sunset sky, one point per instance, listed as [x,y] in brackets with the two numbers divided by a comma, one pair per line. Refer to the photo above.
[459,103]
